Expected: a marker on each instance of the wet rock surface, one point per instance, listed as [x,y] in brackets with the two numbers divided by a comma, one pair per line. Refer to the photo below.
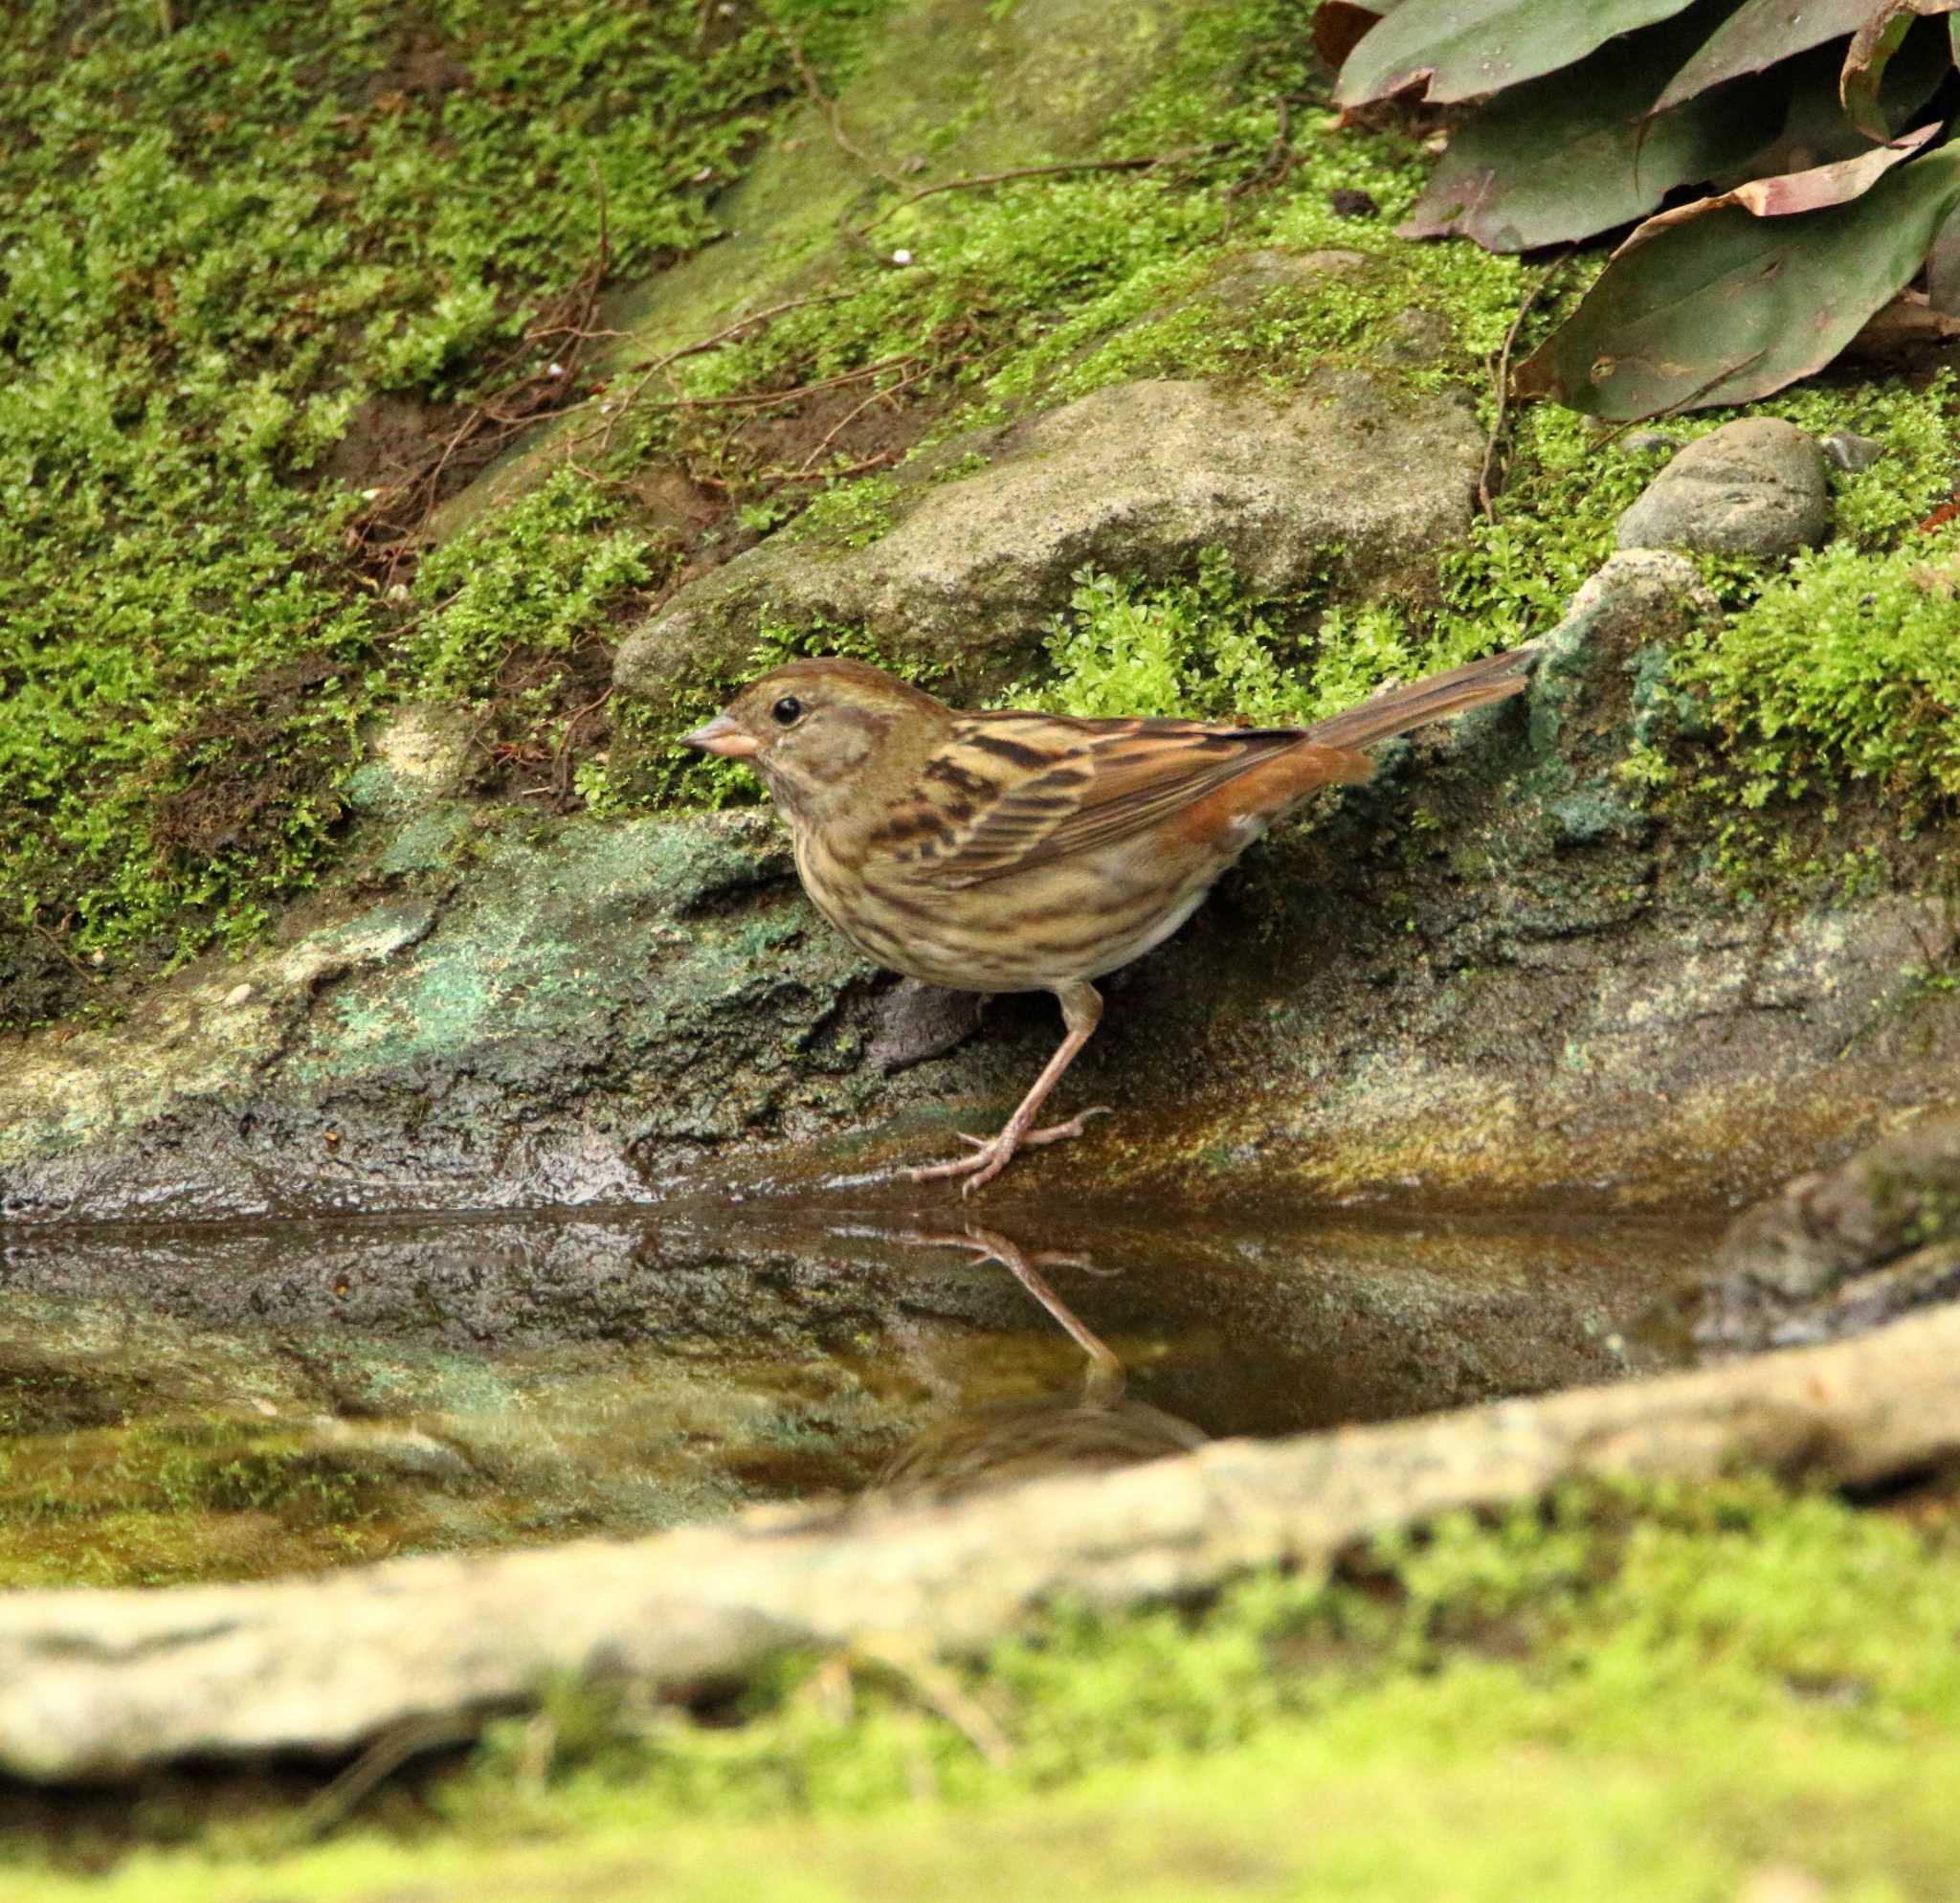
[1354,477]
[1838,1251]
[1756,486]
[509,1036]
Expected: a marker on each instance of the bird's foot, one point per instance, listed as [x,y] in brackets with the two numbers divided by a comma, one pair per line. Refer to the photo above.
[991,1154]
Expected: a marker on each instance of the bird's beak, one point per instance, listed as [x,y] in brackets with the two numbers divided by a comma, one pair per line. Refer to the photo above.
[721,735]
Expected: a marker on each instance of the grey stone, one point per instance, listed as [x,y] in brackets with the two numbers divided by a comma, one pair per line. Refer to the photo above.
[1838,1251]
[915,1022]
[1852,452]
[1351,477]
[1753,487]
[1638,441]
[1639,588]
[1638,602]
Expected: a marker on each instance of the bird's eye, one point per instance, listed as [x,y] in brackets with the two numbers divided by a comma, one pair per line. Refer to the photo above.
[786,711]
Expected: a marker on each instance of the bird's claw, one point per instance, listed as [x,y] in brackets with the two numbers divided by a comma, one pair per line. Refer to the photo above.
[1056,1132]
[991,1153]
[955,1166]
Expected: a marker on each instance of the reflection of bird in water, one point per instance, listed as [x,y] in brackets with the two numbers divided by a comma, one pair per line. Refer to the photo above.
[997,1442]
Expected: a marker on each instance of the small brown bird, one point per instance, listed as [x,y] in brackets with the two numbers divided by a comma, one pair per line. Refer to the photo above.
[1007,851]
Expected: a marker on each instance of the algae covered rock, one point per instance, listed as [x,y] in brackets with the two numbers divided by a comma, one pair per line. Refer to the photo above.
[533,1002]
[1350,479]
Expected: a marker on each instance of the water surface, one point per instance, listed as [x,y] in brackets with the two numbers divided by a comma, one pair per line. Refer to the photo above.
[240,1400]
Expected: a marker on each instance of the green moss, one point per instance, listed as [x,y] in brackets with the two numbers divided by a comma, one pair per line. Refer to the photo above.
[1205,646]
[1004,290]
[1174,302]
[1554,521]
[850,514]
[1437,312]
[518,614]
[1829,672]
[1844,669]
[1651,1692]
[1832,681]
[165,1502]
[224,242]
[1832,677]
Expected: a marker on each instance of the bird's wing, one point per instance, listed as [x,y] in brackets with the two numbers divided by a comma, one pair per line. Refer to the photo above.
[1011,790]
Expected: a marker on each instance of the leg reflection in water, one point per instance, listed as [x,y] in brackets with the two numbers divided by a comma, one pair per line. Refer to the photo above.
[994,1444]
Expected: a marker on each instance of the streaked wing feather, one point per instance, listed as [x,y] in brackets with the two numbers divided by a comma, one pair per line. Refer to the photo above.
[1065,787]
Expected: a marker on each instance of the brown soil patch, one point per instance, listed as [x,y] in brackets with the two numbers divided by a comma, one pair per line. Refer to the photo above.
[561,705]
[421,68]
[41,980]
[242,768]
[388,440]
[848,427]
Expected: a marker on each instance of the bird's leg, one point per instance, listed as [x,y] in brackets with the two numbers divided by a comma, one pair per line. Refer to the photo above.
[1104,1384]
[1081,1009]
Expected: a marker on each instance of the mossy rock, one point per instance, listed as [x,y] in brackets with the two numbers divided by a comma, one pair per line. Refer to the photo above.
[1352,481]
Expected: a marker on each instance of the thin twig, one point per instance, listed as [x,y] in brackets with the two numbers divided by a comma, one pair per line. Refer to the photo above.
[380,1761]
[1503,390]
[929,1681]
[560,776]
[1687,402]
[695,349]
[828,106]
[1018,171]
[488,425]
[583,336]
[605,226]
[94,978]
[753,399]
[852,415]
[883,459]
[1278,157]
[741,325]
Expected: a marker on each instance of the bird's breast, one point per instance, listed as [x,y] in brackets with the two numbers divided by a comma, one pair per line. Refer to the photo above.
[1048,925]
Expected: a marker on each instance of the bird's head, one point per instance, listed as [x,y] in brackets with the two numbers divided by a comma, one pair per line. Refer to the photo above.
[823,734]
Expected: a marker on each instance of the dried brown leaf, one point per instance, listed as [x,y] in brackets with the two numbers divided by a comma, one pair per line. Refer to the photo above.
[1869,53]
[1792,192]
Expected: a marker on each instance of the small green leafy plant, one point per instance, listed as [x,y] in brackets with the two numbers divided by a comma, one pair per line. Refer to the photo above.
[1208,646]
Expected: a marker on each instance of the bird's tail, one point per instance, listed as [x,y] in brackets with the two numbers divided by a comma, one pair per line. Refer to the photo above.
[1494,678]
